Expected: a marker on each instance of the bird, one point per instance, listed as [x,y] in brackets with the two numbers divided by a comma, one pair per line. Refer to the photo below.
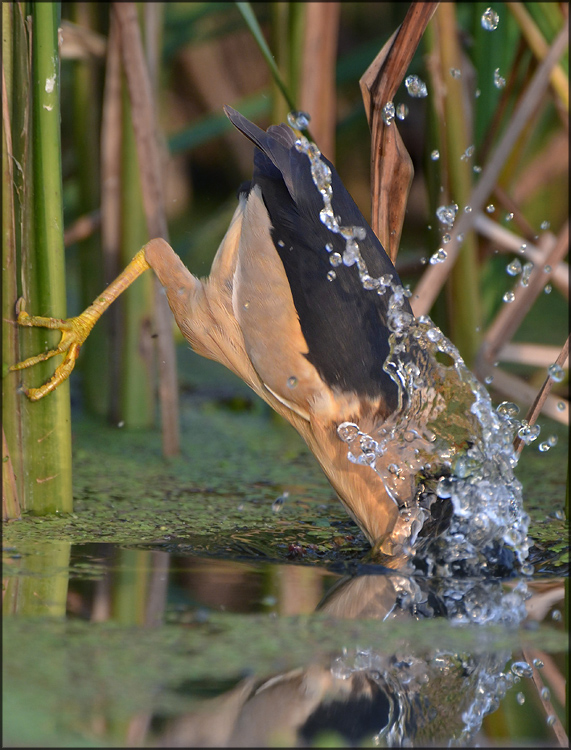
[286,307]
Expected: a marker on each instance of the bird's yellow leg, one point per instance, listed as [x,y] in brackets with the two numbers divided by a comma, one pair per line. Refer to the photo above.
[76,330]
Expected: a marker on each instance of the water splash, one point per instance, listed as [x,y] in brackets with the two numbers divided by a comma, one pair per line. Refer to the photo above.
[448,447]
[408,675]
[445,456]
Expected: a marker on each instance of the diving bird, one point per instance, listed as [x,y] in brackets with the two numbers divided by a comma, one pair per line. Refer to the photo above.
[287,308]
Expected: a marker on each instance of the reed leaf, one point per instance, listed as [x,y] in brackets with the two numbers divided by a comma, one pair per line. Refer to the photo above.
[252,23]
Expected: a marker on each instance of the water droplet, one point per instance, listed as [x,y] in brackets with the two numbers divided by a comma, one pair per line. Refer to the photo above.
[298,120]
[528,433]
[329,247]
[402,111]
[508,409]
[527,569]
[509,217]
[560,406]
[467,209]
[292,382]
[545,694]
[526,273]
[556,372]
[331,275]
[548,289]
[490,20]
[520,698]
[543,447]
[514,267]
[388,113]
[552,440]
[488,379]
[351,253]
[438,257]
[556,615]
[280,243]
[538,664]
[246,305]
[447,214]
[509,297]
[347,431]
[368,445]
[477,169]
[477,94]
[415,87]
[335,259]
[435,155]
[446,239]
[490,208]
[327,217]
[455,73]
[551,719]
[522,669]
[499,81]
[468,153]
[369,282]
[277,505]
[545,225]
[460,238]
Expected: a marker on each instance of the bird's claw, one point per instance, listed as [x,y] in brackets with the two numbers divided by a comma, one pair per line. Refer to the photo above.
[74,331]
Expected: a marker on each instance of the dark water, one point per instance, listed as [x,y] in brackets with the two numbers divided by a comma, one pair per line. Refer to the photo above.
[117,645]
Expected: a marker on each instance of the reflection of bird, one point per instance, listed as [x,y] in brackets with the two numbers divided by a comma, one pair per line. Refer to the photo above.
[394,693]
[310,342]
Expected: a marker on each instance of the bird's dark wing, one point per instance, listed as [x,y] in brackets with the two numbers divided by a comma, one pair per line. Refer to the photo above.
[344,325]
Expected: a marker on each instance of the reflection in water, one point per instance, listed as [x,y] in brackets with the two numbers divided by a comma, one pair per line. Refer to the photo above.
[412,696]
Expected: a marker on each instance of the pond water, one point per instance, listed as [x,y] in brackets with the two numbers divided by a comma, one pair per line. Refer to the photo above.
[225,598]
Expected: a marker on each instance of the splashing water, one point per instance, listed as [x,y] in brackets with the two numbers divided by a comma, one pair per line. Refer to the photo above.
[445,456]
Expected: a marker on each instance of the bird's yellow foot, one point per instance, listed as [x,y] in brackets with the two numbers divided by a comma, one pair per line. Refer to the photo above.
[74,331]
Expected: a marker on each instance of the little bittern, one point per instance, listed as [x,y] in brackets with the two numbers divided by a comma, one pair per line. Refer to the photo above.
[287,308]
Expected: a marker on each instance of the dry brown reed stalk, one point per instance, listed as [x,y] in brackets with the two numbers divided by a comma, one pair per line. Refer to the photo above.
[541,397]
[144,123]
[391,166]
[510,317]
[534,37]
[82,228]
[509,242]
[557,726]
[10,503]
[504,326]
[435,276]
[317,93]
[111,127]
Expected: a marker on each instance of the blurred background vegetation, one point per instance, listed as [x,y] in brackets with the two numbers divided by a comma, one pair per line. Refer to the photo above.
[201,56]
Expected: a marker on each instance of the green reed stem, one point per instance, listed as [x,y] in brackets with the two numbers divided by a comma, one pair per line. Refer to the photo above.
[94,361]
[136,400]
[46,424]
[463,293]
